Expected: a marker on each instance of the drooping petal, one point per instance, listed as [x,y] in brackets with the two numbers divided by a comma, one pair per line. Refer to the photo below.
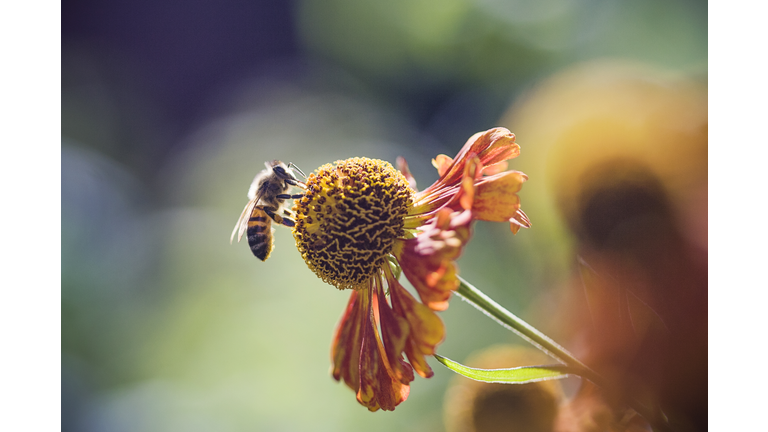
[394,333]
[345,351]
[426,328]
[428,259]
[378,387]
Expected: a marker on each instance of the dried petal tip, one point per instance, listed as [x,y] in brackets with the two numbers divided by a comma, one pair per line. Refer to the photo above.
[519,220]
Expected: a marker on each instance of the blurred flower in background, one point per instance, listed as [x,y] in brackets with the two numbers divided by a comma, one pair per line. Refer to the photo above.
[168,112]
[623,149]
[474,406]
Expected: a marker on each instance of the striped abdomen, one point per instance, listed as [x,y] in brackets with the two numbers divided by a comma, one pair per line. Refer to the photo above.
[260,234]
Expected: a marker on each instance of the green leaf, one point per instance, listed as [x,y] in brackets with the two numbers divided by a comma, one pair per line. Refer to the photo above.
[518,375]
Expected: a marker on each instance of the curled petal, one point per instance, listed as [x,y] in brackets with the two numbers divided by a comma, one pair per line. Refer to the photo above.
[519,220]
[426,328]
[500,146]
[492,146]
[428,259]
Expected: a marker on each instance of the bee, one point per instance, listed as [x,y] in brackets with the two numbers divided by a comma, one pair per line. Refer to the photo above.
[267,196]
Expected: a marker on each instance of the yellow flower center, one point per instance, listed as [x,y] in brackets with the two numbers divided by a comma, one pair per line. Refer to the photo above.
[347,222]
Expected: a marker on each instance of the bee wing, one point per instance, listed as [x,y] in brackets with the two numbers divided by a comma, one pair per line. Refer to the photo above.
[242,222]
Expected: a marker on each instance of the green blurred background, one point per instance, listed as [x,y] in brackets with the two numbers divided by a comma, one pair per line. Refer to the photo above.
[169,110]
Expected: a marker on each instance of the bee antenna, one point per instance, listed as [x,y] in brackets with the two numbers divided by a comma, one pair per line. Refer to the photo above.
[290,164]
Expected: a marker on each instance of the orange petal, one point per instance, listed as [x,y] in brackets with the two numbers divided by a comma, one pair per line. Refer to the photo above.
[394,333]
[378,388]
[495,168]
[428,259]
[426,328]
[519,220]
[345,351]
[467,192]
[502,146]
[442,163]
[492,146]
[496,196]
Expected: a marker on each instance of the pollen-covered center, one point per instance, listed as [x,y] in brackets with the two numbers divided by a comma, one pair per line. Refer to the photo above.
[349,218]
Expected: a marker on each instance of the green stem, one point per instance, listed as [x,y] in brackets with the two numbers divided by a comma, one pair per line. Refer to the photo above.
[522,328]
[506,318]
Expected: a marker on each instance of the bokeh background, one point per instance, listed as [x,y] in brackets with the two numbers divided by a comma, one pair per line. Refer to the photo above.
[170,109]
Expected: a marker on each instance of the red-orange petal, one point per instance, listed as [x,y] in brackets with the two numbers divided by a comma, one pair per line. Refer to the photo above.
[492,146]
[519,220]
[496,197]
[495,168]
[501,147]
[394,334]
[442,163]
[426,328]
[378,387]
[345,351]
[472,171]
[427,260]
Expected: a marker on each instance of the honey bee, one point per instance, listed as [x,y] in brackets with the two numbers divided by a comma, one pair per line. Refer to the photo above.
[267,196]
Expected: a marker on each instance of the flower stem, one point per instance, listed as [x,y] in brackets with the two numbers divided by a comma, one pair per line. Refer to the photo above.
[507,319]
[517,325]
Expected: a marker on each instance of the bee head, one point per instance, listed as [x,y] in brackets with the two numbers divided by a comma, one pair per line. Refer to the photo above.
[282,170]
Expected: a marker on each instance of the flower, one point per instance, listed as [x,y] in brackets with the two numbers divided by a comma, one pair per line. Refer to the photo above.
[361,223]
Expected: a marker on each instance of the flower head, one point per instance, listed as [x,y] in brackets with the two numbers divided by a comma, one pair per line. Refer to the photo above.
[361,223]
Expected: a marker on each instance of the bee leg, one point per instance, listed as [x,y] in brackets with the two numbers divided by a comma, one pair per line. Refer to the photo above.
[288,218]
[279,219]
[290,223]
[288,196]
[271,213]
[296,183]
